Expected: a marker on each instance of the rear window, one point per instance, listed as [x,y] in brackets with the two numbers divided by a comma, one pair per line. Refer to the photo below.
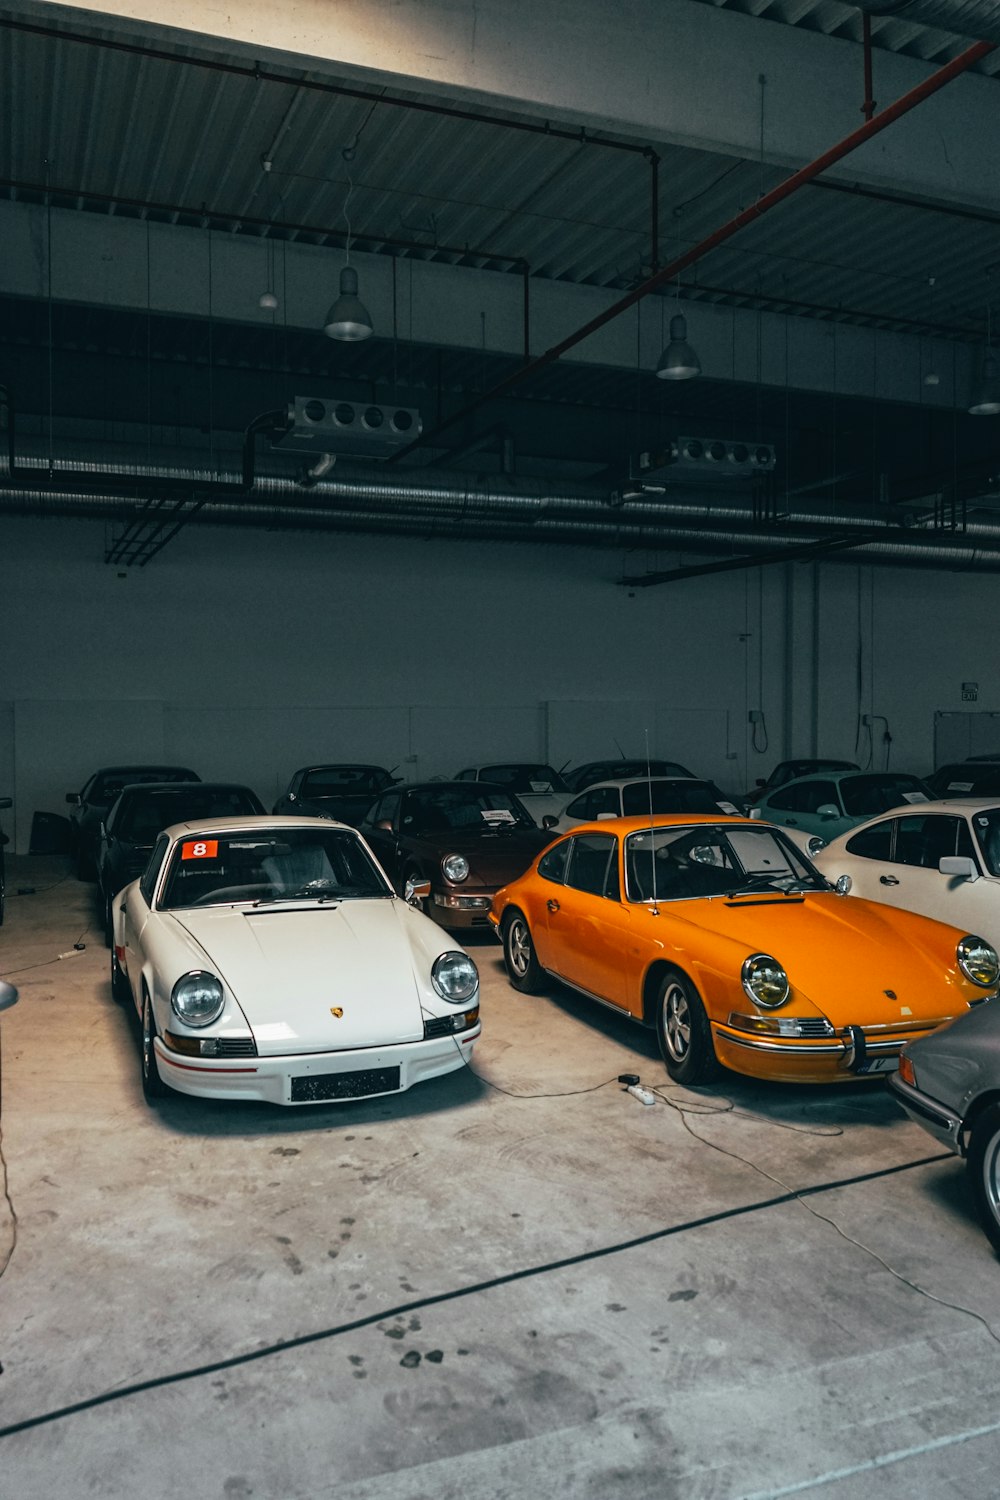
[108,785]
[866,796]
[344,781]
[670,797]
[146,813]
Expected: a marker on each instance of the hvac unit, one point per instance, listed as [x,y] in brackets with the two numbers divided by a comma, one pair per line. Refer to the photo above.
[364,429]
[708,459]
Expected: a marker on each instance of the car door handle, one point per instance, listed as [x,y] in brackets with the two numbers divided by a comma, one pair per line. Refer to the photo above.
[791,822]
[887,880]
[552,905]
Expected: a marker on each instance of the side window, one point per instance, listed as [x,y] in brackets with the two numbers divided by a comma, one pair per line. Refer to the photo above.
[606,799]
[789,800]
[593,865]
[148,882]
[552,865]
[578,808]
[924,839]
[466,776]
[384,811]
[817,794]
[873,843]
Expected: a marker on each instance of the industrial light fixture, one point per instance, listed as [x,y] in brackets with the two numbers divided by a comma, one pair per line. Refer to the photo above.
[678,360]
[348,319]
[986,395]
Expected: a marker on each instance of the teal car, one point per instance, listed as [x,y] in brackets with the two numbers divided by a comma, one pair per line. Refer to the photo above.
[828,805]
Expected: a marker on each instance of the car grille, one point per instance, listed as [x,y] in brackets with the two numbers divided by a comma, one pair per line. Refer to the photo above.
[236,1047]
[812,1026]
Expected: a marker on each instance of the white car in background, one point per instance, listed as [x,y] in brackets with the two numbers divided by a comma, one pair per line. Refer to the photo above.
[941,859]
[632,797]
[270,959]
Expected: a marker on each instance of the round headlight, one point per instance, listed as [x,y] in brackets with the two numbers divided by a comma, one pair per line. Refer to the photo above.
[197,998]
[978,961]
[765,981]
[455,867]
[455,977]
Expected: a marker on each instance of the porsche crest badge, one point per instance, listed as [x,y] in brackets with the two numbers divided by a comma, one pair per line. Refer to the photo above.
[337,1011]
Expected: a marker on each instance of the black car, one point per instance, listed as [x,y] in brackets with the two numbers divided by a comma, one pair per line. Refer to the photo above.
[466,838]
[90,806]
[791,770]
[580,777]
[5,802]
[342,792]
[965,778]
[141,811]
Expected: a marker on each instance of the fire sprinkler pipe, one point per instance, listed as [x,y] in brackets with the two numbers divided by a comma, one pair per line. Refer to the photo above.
[829,158]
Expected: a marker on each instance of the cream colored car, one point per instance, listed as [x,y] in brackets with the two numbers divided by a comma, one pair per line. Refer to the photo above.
[941,859]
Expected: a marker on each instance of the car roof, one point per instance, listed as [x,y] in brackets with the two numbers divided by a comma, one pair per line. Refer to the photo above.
[245,821]
[669,820]
[180,787]
[645,780]
[339,765]
[943,804]
[839,776]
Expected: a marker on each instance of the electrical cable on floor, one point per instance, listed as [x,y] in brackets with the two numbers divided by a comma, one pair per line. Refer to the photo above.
[456,1294]
[3,1168]
[905,1280]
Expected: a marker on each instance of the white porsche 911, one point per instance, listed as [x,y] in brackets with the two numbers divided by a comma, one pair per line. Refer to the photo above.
[270,959]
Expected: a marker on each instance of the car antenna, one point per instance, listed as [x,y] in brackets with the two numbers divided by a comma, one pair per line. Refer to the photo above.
[621,752]
[652,852]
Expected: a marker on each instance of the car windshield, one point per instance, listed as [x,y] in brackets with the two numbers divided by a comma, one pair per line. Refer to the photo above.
[524,778]
[987,829]
[618,770]
[107,786]
[144,814]
[344,781]
[679,864]
[264,866]
[471,807]
[669,797]
[866,796]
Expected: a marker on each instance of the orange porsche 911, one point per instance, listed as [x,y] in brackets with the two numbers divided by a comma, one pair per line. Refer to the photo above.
[723,936]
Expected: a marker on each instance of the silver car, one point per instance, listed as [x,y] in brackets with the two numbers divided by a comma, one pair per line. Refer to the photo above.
[949,1083]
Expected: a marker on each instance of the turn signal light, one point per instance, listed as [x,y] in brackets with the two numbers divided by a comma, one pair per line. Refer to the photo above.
[906,1070]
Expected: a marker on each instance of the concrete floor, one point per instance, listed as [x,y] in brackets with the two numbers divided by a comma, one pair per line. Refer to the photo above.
[465,1294]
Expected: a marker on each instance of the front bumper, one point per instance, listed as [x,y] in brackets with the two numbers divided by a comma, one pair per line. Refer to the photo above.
[937,1119]
[852,1052]
[456,909]
[269,1079]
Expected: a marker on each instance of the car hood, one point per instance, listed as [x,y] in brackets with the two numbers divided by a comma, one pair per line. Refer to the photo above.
[842,954]
[290,965]
[494,858]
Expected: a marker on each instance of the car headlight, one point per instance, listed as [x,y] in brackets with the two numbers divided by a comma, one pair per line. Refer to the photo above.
[197,998]
[765,981]
[455,867]
[978,961]
[455,977]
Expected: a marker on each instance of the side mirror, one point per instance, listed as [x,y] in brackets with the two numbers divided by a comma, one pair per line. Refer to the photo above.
[549,820]
[415,891]
[385,824]
[828,810]
[602,815]
[292,797]
[73,797]
[8,994]
[755,812]
[843,886]
[958,864]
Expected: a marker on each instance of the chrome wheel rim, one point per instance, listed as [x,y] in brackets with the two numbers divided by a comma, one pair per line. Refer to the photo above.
[677,1022]
[519,947]
[147,1039]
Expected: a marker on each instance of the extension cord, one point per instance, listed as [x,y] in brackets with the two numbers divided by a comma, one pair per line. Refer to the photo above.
[644,1096]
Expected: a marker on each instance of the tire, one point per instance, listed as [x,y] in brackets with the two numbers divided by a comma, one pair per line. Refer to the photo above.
[683,1031]
[984,1171]
[523,969]
[121,991]
[153,1086]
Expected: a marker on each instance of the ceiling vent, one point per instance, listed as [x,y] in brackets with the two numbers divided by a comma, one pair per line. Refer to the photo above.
[709,459]
[361,428]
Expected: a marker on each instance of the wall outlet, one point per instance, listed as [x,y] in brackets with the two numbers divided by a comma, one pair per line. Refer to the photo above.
[756,716]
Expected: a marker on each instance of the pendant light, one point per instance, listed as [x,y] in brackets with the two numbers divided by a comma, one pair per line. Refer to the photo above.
[678,360]
[986,393]
[348,319]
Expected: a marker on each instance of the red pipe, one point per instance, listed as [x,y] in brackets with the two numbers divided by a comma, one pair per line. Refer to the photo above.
[829,158]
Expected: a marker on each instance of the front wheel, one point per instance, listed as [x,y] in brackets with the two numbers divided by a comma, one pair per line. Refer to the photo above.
[153,1086]
[684,1032]
[523,969]
[984,1170]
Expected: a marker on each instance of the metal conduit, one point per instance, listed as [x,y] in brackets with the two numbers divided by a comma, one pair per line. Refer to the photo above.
[613,530]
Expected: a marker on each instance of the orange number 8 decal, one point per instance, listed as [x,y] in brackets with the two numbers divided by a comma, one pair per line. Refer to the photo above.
[200,849]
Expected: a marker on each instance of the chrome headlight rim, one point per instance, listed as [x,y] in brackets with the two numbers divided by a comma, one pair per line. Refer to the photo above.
[753,968]
[455,977]
[984,971]
[212,1005]
[455,867]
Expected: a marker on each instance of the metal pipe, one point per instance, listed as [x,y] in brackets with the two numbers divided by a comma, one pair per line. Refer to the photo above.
[864,133]
[868,107]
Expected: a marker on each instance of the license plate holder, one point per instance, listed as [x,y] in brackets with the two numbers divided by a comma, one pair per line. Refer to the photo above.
[360,1084]
[877,1065]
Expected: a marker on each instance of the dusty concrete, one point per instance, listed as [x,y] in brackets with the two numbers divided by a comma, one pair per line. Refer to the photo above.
[761,1353]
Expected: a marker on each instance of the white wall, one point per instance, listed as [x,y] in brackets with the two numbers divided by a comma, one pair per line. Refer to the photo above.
[251,653]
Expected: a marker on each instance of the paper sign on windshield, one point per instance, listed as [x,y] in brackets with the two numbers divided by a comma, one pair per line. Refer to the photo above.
[493,815]
[914,797]
[200,849]
[541,786]
[960,786]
